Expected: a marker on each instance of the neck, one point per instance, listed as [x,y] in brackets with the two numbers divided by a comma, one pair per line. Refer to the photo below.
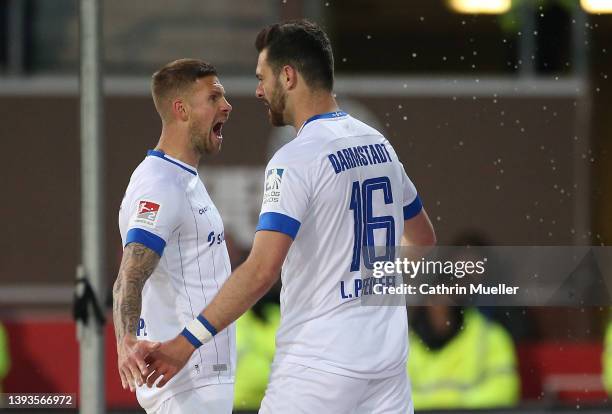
[175,143]
[314,103]
[439,317]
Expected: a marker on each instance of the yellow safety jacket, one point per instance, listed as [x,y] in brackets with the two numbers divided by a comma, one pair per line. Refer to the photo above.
[5,360]
[255,347]
[607,360]
[475,369]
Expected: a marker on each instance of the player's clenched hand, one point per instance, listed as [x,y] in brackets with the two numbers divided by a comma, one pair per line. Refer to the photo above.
[131,360]
[168,360]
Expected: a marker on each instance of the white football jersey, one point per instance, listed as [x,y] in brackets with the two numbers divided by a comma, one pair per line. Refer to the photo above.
[167,208]
[335,189]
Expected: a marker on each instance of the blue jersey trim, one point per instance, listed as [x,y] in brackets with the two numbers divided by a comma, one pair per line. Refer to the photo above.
[192,339]
[278,222]
[162,155]
[152,241]
[207,325]
[413,208]
[327,115]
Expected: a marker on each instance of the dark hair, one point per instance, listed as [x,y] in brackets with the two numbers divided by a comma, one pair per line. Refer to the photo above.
[175,77]
[303,45]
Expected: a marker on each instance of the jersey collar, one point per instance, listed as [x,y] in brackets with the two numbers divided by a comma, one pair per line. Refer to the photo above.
[163,156]
[336,114]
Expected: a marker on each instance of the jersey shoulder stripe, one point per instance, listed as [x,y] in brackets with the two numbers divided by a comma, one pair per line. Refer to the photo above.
[413,208]
[278,222]
[144,237]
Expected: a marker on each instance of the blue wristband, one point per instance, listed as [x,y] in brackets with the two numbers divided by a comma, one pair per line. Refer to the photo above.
[192,339]
[199,331]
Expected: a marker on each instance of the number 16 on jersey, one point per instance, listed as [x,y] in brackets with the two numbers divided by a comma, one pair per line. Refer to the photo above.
[365,222]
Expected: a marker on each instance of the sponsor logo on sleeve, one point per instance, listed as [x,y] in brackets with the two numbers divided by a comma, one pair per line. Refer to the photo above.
[147,212]
[272,192]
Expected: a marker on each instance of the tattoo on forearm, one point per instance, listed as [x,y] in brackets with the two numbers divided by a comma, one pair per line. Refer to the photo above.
[137,264]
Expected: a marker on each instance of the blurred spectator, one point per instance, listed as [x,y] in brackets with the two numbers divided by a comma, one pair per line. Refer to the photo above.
[255,339]
[460,359]
[255,333]
[607,359]
[5,360]
[517,321]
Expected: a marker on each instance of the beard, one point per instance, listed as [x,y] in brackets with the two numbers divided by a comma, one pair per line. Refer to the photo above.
[201,141]
[276,106]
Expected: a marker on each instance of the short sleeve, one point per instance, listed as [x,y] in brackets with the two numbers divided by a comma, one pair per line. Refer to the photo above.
[412,202]
[154,215]
[285,199]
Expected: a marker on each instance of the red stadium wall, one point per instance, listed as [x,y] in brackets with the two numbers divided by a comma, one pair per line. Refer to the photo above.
[565,371]
[45,358]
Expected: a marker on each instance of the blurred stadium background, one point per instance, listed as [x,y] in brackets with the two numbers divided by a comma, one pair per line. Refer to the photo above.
[502,119]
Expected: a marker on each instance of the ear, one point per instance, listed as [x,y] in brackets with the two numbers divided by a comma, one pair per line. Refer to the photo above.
[180,111]
[289,77]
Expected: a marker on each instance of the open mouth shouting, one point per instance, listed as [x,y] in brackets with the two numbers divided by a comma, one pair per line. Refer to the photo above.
[217,130]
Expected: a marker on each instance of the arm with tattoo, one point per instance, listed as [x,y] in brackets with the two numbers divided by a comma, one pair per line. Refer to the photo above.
[137,264]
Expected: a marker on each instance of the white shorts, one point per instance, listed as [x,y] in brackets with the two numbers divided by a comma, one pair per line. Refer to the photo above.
[209,399]
[299,389]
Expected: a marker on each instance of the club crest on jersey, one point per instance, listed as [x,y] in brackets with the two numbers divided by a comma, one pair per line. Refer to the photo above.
[274,179]
[147,212]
